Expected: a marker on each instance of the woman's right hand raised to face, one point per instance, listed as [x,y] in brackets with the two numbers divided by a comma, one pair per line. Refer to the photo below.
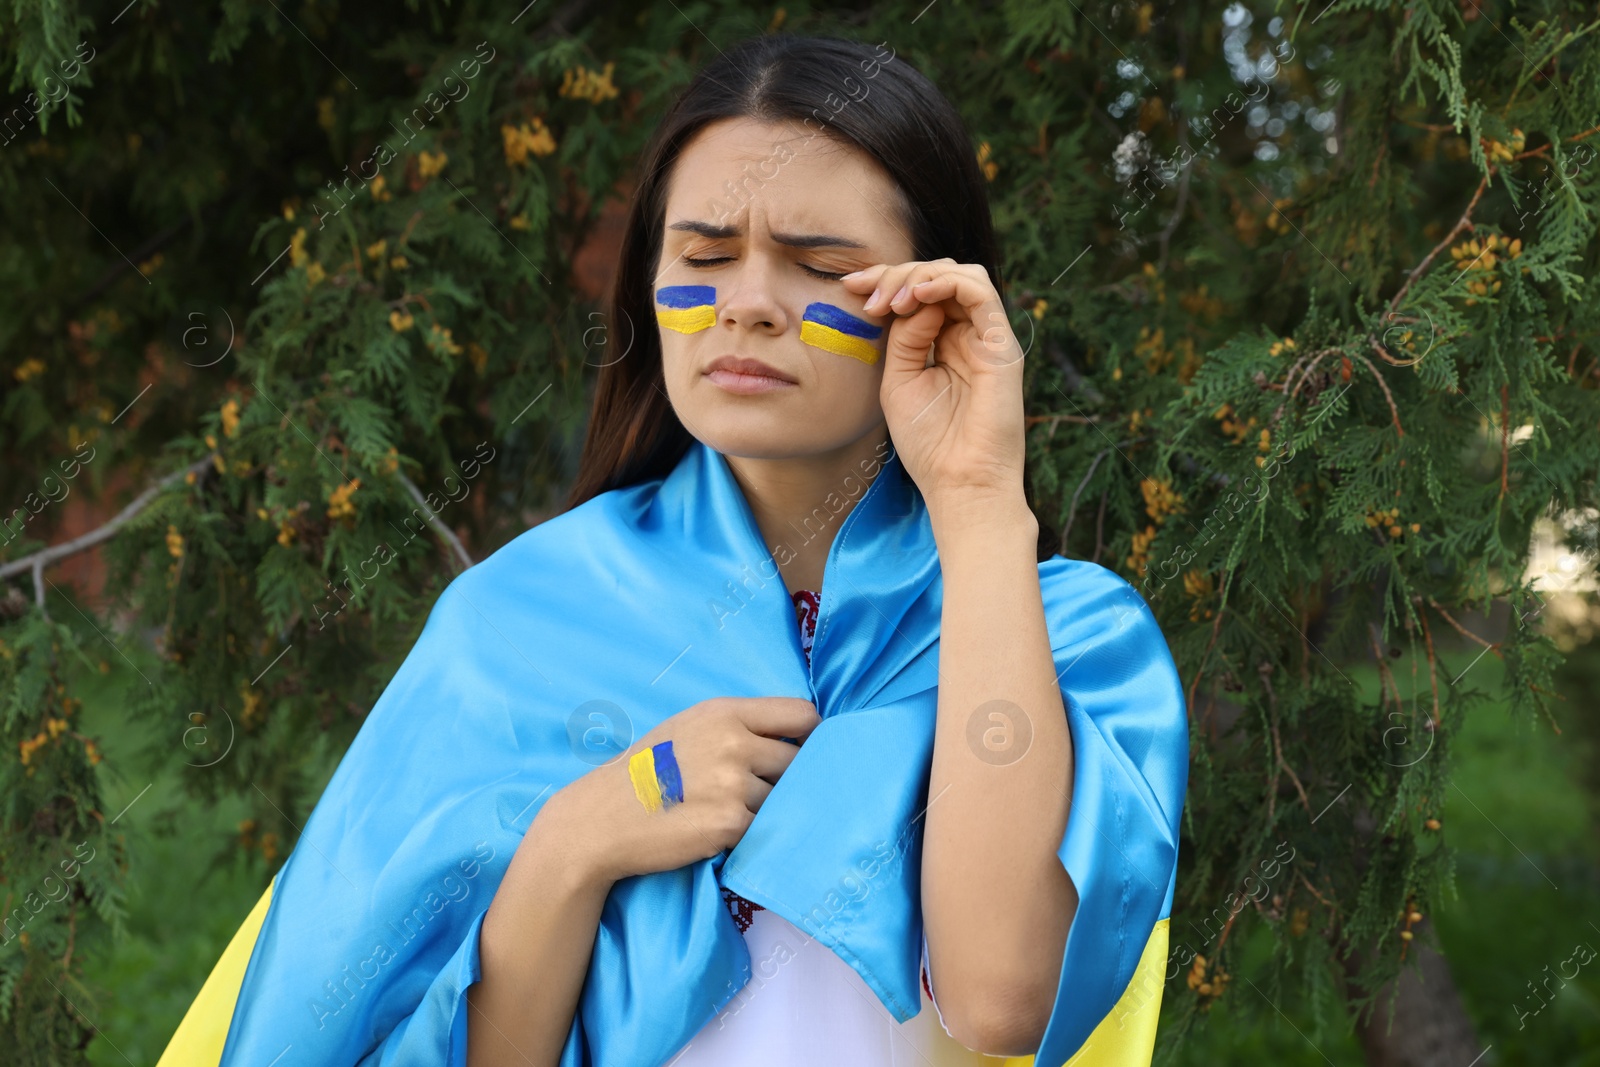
[728,756]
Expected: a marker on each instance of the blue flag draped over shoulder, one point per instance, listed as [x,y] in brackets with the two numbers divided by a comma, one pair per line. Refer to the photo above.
[595,626]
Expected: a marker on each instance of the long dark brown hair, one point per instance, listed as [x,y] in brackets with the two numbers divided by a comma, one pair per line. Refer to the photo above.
[892,113]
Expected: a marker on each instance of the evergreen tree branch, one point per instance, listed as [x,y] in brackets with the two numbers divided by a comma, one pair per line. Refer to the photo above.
[437,523]
[1394,411]
[138,255]
[1433,675]
[1216,628]
[45,557]
[1505,441]
[1100,528]
[1463,223]
[1171,227]
[1316,357]
[1072,508]
[1265,671]
[1462,630]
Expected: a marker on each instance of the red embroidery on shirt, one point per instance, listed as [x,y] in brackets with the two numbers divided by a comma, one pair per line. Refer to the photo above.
[806,606]
[742,910]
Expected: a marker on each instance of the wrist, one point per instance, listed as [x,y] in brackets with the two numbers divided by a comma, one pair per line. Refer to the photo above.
[566,836]
[981,517]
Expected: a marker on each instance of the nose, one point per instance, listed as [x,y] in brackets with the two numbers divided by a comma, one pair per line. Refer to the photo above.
[751,302]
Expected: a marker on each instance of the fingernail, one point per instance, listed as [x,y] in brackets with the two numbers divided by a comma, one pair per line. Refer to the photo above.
[873,299]
[852,274]
[901,295]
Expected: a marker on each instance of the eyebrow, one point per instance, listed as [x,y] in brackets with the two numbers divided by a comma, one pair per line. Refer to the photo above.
[793,240]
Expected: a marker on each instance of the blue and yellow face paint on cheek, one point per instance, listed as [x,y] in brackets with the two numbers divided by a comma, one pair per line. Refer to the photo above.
[656,781]
[686,308]
[835,330]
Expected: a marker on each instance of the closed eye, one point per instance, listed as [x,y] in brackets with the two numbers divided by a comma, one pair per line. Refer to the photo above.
[831,276]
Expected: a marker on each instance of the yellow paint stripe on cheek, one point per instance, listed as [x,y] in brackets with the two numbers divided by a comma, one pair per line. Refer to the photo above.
[687,320]
[838,342]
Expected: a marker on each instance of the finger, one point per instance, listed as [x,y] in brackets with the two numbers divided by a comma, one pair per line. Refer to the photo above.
[971,292]
[906,350]
[872,282]
[777,716]
[864,280]
[890,284]
[769,758]
[967,284]
[756,793]
[903,299]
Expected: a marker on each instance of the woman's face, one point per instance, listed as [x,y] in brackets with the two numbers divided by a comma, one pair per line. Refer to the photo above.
[761,220]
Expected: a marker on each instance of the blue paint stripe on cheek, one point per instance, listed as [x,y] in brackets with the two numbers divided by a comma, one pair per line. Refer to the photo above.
[686,296]
[839,319]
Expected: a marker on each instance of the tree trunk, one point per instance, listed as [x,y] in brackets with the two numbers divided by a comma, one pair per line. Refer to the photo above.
[1430,1024]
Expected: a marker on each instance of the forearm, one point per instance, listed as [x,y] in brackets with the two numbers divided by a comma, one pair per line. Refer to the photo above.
[534,949]
[997,903]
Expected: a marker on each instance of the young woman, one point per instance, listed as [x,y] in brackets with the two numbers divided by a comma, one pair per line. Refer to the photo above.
[902,792]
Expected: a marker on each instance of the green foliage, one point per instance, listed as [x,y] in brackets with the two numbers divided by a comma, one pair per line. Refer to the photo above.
[1259,314]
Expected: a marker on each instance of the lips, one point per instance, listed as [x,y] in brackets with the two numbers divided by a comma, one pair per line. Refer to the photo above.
[740,365]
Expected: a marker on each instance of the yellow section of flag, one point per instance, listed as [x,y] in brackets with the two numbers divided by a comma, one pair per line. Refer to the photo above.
[1126,1037]
[199,1038]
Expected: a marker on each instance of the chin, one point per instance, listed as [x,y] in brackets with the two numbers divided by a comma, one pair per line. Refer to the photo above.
[763,438]
[771,434]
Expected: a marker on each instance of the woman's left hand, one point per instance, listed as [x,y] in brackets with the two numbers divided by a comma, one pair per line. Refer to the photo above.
[958,424]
